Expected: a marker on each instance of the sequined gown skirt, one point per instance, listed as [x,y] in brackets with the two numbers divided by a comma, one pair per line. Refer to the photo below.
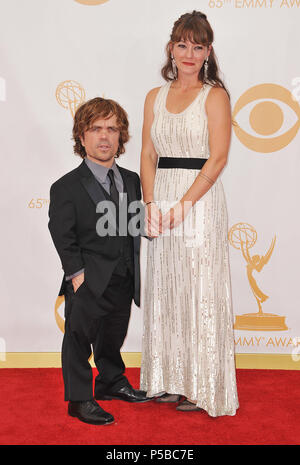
[188,342]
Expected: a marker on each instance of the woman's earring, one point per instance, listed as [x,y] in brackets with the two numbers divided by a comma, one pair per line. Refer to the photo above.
[174,67]
[206,68]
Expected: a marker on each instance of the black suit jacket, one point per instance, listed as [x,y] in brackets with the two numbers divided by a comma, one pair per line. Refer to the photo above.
[72,224]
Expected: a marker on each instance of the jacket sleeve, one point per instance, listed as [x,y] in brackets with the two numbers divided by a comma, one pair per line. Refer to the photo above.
[62,226]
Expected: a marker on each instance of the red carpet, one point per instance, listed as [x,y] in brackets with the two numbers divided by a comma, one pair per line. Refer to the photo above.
[33,412]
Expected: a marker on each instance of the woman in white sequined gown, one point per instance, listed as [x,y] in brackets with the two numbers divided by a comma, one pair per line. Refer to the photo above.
[188,342]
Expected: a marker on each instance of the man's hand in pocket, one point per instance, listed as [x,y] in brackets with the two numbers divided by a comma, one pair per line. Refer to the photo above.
[77,281]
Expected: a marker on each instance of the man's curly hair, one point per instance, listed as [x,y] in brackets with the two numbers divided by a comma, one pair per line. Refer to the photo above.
[89,112]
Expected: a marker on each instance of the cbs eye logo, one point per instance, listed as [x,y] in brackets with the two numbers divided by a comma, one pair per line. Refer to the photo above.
[267,119]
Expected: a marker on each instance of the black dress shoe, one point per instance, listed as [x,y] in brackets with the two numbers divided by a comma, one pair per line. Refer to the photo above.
[126,393]
[89,412]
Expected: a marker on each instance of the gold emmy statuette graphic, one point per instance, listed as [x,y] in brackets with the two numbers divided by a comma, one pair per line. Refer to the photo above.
[91,2]
[59,320]
[70,94]
[266,118]
[243,236]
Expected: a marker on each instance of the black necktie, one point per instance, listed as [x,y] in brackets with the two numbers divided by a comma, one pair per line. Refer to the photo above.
[113,189]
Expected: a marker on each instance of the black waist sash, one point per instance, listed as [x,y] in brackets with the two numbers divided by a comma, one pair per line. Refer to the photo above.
[180,162]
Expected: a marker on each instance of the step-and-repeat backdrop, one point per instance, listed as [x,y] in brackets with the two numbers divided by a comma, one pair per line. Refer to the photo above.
[56,54]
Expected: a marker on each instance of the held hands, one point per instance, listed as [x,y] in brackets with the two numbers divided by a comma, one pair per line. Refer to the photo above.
[153,220]
[176,215]
[156,223]
[77,281]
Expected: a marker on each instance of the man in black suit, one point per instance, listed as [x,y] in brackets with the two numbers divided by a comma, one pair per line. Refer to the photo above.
[100,260]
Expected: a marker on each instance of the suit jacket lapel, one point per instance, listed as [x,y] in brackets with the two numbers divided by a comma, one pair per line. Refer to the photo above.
[91,184]
[128,185]
[96,193]
[132,196]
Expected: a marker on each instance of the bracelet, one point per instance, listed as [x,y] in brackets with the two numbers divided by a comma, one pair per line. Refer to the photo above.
[151,201]
[207,178]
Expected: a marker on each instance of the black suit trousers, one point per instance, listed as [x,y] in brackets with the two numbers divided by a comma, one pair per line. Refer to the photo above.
[105,337]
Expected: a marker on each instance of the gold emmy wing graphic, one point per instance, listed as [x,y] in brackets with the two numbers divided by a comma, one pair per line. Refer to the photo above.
[266,118]
[91,2]
[243,236]
[70,94]
[59,320]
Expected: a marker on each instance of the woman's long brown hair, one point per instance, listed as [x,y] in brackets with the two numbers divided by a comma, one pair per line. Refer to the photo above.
[195,28]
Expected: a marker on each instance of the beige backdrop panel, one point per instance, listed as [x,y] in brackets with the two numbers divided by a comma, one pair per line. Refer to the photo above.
[55,53]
